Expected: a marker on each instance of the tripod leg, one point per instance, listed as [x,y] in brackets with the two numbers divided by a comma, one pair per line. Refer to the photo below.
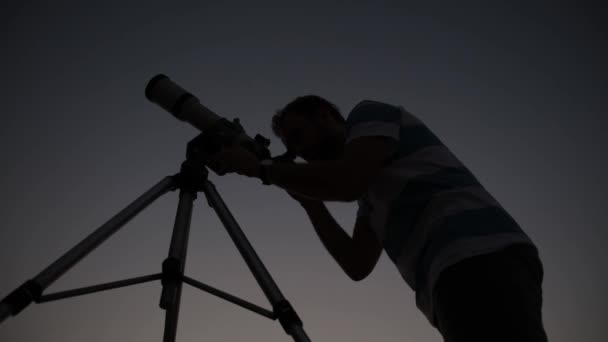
[173,266]
[283,310]
[32,289]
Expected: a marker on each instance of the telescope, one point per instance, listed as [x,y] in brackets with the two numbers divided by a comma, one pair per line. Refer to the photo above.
[218,131]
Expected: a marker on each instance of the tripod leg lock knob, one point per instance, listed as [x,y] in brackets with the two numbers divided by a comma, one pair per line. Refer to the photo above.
[23,296]
[171,271]
[286,314]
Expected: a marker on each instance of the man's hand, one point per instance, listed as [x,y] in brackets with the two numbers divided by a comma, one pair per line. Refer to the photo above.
[235,159]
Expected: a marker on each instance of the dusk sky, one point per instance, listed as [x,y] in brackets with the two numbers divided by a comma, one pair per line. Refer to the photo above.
[517,90]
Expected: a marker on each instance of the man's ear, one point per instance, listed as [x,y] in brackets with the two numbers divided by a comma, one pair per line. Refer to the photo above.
[319,120]
[325,115]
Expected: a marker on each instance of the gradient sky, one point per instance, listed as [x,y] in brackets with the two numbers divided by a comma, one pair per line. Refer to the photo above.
[517,91]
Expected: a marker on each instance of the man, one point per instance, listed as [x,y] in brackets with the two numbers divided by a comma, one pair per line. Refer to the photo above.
[476,274]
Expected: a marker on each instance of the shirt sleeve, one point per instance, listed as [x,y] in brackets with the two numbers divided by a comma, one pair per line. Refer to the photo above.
[371,118]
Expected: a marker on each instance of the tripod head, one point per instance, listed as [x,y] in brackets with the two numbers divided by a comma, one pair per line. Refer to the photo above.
[217,131]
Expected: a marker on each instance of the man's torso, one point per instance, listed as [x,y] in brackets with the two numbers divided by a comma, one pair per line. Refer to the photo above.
[428,210]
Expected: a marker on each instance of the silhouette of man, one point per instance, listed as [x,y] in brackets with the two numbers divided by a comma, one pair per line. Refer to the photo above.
[477,276]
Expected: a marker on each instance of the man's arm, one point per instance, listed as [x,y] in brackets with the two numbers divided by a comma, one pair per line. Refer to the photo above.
[345,179]
[358,255]
[367,248]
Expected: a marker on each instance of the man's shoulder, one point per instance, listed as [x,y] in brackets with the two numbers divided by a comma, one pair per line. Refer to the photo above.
[372,110]
[368,103]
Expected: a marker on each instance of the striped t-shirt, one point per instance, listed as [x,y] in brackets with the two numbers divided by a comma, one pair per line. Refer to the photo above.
[427,209]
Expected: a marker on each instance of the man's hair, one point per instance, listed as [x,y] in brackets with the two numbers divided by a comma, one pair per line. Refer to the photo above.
[308,105]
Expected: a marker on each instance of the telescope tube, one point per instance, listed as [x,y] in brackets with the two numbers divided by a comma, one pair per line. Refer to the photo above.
[186,107]
[179,102]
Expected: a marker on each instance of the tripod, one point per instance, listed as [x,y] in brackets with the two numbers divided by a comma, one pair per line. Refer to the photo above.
[191,179]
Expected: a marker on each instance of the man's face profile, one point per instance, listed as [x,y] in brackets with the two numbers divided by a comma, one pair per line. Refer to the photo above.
[318,137]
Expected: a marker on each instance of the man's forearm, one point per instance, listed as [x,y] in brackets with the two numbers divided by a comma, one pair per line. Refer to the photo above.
[325,181]
[334,238]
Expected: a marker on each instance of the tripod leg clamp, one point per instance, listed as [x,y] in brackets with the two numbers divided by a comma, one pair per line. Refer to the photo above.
[170,277]
[23,296]
[286,314]
[171,271]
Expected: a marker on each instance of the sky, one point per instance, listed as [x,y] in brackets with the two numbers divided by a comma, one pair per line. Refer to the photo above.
[517,90]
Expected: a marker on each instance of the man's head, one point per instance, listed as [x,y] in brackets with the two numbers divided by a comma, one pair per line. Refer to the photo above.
[311,127]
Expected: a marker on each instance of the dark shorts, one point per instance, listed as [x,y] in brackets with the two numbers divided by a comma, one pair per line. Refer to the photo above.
[492,297]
